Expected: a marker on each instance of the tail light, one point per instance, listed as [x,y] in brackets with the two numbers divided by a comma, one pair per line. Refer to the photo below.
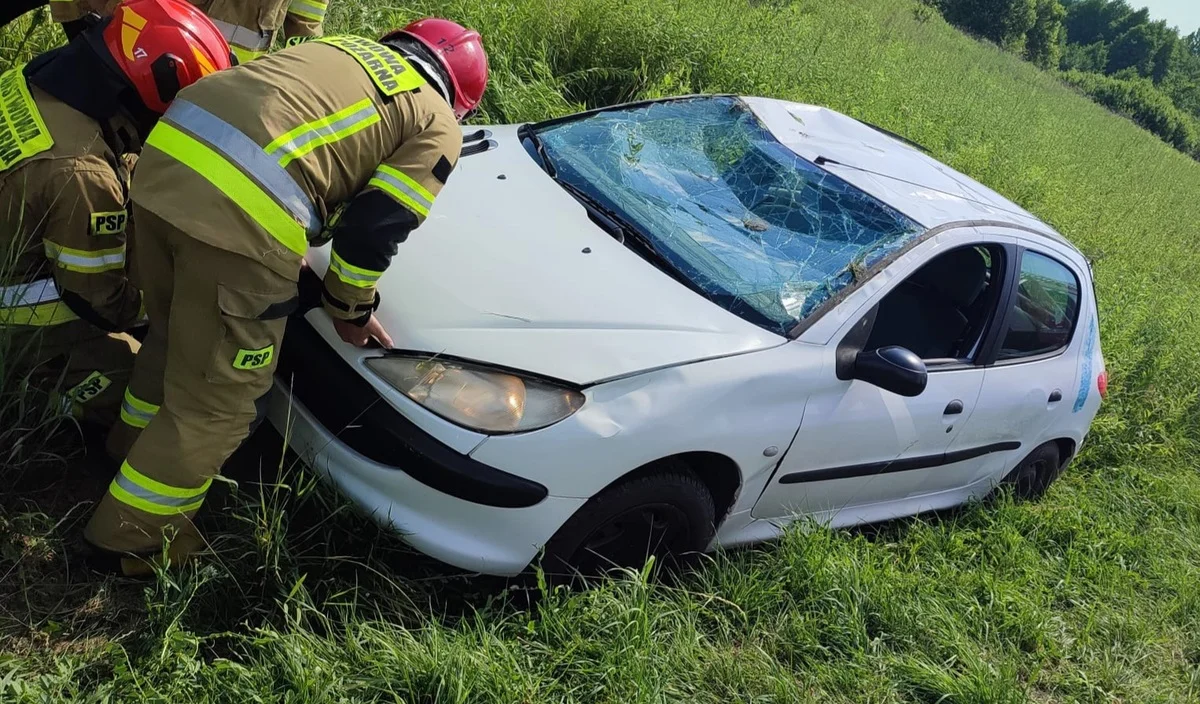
[1102,384]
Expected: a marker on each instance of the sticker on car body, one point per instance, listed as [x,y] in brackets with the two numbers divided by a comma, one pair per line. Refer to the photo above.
[1085,381]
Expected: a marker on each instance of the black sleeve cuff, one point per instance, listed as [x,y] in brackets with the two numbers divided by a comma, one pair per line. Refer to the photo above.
[365,309]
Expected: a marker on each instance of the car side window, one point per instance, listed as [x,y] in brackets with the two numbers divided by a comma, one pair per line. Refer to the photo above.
[1045,309]
[941,311]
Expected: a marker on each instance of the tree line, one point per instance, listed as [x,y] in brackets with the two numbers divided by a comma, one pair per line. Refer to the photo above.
[1117,55]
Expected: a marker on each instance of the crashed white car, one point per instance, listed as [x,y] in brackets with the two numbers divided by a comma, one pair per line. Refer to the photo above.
[665,327]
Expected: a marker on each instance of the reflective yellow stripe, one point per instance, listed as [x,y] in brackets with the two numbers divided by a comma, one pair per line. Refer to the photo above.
[139,404]
[135,412]
[309,9]
[34,303]
[141,492]
[404,189]
[236,185]
[40,315]
[245,56]
[353,275]
[327,130]
[23,133]
[86,261]
[131,420]
[161,489]
[120,494]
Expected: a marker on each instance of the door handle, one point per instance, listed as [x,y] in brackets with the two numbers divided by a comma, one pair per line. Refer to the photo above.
[1055,396]
[953,408]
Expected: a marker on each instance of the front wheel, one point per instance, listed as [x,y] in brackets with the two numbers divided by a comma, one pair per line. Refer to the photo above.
[668,515]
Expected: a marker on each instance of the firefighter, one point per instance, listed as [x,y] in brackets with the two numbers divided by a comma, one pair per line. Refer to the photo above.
[249,26]
[70,116]
[242,173]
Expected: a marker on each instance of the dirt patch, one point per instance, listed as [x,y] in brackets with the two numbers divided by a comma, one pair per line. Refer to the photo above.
[50,602]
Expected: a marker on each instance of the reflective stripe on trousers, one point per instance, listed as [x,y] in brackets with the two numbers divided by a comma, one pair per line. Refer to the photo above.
[35,303]
[309,9]
[248,44]
[135,412]
[135,489]
[215,150]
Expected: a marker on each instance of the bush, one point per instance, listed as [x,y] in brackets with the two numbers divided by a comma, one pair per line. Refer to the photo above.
[1005,22]
[1145,104]
[1089,58]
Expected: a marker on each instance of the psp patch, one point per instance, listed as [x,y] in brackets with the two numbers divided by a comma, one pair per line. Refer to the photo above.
[89,388]
[254,359]
[109,223]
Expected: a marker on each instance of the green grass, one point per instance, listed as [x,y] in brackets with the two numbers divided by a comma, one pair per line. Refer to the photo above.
[1091,595]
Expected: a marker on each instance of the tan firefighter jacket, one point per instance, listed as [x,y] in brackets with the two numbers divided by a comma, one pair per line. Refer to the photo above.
[62,215]
[337,137]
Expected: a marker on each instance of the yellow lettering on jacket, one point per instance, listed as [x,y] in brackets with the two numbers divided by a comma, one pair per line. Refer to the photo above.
[22,132]
[390,73]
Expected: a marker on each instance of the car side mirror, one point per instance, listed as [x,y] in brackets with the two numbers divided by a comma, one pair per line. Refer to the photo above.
[892,369]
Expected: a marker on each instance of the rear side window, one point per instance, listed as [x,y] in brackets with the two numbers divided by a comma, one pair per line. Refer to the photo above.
[1045,310]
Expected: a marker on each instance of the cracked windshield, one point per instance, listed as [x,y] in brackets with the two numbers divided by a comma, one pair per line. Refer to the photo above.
[761,231]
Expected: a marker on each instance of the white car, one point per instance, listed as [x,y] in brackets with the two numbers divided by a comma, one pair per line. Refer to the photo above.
[665,327]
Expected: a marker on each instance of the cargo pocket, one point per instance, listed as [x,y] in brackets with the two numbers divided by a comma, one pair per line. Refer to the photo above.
[252,327]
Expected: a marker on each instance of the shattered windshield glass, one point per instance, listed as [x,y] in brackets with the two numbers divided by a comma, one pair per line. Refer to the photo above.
[761,231]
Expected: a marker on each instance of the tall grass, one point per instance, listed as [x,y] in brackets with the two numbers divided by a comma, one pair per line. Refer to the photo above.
[1090,595]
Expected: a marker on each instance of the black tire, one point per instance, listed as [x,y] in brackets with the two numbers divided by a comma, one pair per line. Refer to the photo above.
[668,515]
[1036,473]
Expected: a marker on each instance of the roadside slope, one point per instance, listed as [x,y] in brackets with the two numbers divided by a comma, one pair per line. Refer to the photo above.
[1090,595]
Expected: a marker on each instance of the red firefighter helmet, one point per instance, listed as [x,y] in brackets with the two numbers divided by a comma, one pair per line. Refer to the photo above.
[163,46]
[461,52]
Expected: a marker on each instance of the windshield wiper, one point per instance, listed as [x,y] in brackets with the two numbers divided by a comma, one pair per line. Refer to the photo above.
[628,234]
[611,221]
[526,132]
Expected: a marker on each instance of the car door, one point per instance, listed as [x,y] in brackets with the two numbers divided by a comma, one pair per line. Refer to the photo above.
[863,453]
[1031,389]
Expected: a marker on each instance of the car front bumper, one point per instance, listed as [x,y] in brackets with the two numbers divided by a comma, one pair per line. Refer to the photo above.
[445,504]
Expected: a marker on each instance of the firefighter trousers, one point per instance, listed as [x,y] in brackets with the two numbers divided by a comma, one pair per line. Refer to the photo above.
[74,364]
[217,321]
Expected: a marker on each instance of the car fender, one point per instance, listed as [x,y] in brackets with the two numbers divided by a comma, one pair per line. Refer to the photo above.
[746,407]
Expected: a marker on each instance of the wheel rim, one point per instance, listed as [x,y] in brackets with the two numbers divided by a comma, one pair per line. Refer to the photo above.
[630,537]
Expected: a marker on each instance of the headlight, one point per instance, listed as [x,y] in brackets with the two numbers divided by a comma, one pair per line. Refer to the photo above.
[483,399]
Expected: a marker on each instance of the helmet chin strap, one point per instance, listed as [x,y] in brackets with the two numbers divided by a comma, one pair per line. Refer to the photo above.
[426,64]
[431,74]
[125,133]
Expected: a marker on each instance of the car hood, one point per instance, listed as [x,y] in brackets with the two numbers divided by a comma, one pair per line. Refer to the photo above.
[509,270]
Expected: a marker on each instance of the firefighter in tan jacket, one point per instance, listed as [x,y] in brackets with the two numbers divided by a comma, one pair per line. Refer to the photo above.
[250,26]
[71,114]
[242,173]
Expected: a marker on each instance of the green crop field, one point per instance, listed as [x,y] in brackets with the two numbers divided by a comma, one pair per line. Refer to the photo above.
[1091,595]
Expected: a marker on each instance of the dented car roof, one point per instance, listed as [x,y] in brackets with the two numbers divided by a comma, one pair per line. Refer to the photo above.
[918,185]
